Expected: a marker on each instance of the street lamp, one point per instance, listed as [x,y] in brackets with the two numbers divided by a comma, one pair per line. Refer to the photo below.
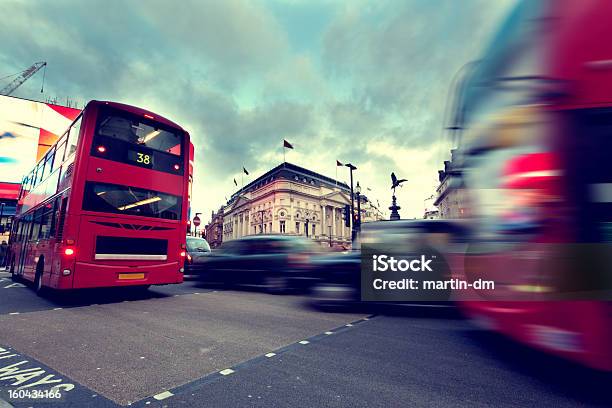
[358,191]
[351,167]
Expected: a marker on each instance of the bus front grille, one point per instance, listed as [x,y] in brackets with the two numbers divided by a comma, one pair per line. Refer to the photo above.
[123,248]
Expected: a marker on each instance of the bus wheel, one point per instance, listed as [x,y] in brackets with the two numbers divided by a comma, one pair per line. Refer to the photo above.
[38,285]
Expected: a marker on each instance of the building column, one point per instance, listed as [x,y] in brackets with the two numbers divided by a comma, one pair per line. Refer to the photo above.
[333,220]
[324,223]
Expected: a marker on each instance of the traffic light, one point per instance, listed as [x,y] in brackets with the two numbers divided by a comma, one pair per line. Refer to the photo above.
[347,215]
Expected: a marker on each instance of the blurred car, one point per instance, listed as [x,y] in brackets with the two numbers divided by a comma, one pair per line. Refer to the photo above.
[340,273]
[278,263]
[197,251]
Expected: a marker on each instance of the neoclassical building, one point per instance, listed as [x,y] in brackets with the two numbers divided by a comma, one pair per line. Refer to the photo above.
[291,200]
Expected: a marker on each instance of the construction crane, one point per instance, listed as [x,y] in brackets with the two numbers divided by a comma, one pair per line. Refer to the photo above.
[24,76]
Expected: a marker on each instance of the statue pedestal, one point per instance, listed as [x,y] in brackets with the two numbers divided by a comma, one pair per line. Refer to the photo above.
[394,210]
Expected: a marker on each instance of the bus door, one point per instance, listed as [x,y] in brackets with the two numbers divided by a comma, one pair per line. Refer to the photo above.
[25,244]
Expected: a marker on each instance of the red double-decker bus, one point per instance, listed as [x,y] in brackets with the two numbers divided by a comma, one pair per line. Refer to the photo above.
[107,205]
[536,120]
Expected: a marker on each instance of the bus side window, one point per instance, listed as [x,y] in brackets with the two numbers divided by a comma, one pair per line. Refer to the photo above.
[49,162]
[27,228]
[22,229]
[15,231]
[36,224]
[73,136]
[46,221]
[61,219]
[59,154]
[34,180]
[53,217]
[41,171]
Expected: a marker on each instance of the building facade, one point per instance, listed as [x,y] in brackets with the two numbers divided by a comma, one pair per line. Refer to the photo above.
[8,205]
[291,200]
[451,197]
[213,231]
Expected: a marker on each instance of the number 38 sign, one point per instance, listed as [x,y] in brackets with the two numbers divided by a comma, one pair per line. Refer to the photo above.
[140,158]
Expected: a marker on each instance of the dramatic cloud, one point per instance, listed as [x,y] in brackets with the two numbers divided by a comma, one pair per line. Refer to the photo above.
[365,82]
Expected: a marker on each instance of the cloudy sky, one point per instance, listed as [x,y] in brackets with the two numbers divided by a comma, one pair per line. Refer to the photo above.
[358,81]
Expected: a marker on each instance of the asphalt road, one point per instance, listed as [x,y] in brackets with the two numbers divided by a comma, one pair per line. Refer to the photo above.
[189,346]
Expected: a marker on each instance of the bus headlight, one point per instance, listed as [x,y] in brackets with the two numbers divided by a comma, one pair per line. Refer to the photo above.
[66,272]
[182,270]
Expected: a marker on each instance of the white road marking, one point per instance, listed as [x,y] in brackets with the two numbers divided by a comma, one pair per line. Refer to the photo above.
[349,325]
[14,313]
[328,333]
[14,285]
[163,395]
[58,308]
[227,371]
[304,342]
[270,355]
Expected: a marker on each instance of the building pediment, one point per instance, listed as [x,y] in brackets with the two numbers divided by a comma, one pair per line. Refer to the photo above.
[337,197]
[239,202]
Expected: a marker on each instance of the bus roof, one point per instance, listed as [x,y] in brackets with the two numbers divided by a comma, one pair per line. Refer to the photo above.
[136,111]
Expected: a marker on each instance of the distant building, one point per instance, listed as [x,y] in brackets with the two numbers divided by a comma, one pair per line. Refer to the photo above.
[292,200]
[213,231]
[369,211]
[8,205]
[451,197]
[431,214]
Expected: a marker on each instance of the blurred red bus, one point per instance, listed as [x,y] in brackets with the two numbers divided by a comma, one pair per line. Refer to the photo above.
[107,205]
[535,122]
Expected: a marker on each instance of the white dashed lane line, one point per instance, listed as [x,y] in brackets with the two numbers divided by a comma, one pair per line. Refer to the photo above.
[163,395]
[256,360]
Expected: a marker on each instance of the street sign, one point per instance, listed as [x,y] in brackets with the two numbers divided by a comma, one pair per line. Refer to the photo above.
[196,221]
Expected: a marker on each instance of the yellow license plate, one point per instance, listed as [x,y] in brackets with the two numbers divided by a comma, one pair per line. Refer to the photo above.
[131,276]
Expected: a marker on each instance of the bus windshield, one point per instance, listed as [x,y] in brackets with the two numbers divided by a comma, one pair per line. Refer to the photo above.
[130,139]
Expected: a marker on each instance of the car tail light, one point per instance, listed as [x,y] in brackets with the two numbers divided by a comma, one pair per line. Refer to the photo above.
[189,258]
[101,149]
